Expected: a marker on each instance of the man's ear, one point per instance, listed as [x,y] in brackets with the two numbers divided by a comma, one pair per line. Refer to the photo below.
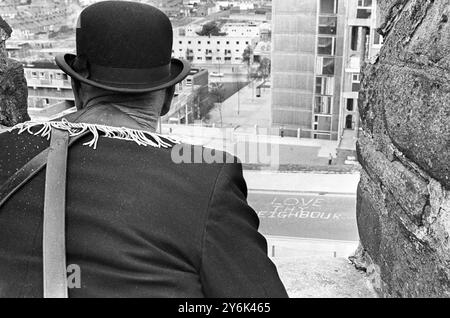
[170,91]
[76,88]
[81,66]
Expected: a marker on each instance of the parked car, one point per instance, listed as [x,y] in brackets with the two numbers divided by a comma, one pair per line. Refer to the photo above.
[216,74]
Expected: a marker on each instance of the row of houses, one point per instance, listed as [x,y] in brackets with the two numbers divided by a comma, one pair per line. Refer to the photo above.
[50,92]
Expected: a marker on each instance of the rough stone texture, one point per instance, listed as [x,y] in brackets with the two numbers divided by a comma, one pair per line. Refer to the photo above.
[13,86]
[403,205]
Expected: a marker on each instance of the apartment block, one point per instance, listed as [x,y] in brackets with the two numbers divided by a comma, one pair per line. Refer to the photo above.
[317,47]
[362,43]
[211,50]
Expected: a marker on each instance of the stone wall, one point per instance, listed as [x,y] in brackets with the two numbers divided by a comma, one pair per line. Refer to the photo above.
[403,205]
[13,86]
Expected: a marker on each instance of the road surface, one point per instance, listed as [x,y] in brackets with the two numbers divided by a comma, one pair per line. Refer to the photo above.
[306,215]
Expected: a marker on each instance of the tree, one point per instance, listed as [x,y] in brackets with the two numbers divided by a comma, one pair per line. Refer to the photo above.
[264,68]
[204,107]
[211,29]
[247,55]
[217,94]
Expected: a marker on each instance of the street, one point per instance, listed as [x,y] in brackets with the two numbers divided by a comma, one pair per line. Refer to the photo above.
[228,77]
[305,215]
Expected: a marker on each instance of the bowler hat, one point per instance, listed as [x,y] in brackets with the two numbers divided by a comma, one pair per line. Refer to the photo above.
[124,47]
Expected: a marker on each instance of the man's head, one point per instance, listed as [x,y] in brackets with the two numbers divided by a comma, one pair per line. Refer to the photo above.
[124,47]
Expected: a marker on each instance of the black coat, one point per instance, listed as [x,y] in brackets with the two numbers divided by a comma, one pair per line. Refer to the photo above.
[138,225]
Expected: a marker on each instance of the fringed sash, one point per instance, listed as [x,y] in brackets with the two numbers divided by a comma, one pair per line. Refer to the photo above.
[140,137]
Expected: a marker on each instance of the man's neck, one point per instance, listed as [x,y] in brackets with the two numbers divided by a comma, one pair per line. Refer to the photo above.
[109,115]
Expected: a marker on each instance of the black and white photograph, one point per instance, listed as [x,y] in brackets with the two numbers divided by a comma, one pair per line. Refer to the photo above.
[239,151]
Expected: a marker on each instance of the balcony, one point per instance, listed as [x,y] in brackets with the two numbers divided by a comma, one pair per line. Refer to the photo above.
[353,64]
[51,93]
[351,86]
[361,16]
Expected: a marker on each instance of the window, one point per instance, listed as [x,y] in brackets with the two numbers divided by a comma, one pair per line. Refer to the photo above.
[228,42]
[325,85]
[377,39]
[350,104]
[237,42]
[363,13]
[326,46]
[364,9]
[349,124]
[323,105]
[354,38]
[328,6]
[356,85]
[364,3]
[325,65]
[327,25]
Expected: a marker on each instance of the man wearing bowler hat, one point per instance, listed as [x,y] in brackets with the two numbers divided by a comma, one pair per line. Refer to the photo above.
[97,192]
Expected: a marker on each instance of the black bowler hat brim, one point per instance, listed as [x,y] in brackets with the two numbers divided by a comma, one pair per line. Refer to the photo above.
[179,69]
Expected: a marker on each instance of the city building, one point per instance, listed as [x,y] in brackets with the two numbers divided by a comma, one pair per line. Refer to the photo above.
[50,92]
[316,57]
[189,94]
[245,29]
[37,19]
[47,85]
[211,50]
[363,43]
[18,51]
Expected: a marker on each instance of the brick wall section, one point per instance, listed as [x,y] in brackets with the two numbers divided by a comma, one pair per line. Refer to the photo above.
[13,86]
[403,205]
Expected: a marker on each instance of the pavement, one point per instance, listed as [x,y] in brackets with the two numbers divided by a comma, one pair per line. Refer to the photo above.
[244,109]
[309,222]
[349,138]
[305,211]
[255,148]
[315,216]
[302,182]
[323,277]
[250,118]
